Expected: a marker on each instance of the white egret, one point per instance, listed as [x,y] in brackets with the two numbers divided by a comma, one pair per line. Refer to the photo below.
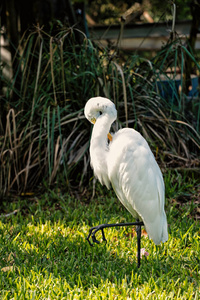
[128,164]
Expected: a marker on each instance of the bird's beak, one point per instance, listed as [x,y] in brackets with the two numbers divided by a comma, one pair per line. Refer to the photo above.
[109,136]
[93,120]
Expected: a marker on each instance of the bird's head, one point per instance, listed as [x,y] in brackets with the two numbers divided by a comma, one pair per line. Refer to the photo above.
[99,106]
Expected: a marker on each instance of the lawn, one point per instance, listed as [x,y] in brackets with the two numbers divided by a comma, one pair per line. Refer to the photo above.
[45,254]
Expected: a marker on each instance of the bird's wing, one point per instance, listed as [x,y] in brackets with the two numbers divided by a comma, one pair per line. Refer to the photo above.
[137,181]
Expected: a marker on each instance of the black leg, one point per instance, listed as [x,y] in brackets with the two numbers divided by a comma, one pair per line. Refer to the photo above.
[138,230]
[93,231]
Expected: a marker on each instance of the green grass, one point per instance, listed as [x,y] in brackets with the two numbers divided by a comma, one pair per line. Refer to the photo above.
[44,253]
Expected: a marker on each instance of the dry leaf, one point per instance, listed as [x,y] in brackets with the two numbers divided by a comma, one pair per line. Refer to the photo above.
[8,268]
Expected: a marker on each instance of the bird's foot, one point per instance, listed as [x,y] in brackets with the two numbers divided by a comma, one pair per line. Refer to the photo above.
[92,234]
[94,230]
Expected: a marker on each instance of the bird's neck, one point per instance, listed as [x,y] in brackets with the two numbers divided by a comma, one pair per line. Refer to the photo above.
[99,149]
[100,131]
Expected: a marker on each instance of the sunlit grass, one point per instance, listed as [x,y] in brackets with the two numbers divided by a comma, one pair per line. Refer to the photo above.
[44,253]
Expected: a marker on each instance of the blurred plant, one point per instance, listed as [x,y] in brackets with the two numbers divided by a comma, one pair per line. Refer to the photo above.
[44,133]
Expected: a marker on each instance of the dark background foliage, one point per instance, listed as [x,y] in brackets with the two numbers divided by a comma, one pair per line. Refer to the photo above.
[55,69]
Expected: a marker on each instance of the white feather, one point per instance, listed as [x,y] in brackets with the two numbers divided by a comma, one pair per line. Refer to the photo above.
[129,165]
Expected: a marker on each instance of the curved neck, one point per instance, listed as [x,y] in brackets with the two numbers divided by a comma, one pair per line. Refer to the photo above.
[100,131]
[99,149]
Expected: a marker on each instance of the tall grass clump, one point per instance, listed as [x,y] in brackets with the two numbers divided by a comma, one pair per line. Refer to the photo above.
[43,132]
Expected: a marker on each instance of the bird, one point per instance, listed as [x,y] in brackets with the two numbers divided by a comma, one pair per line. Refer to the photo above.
[125,161]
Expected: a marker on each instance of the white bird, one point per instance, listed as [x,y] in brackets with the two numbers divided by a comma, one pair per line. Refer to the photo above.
[128,164]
